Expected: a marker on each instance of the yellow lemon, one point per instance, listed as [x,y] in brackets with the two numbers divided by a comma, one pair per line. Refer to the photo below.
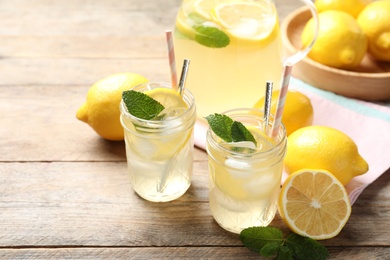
[313,203]
[101,108]
[353,7]
[341,43]
[320,147]
[375,22]
[298,110]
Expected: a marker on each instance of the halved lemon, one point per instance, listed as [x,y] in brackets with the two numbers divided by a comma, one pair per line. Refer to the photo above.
[246,20]
[169,98]
[313,203]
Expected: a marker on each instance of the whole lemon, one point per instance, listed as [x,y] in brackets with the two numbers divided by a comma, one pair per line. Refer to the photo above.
[101,109]
[353,7]
[341,43]
[320,147]
[375,22]
[298,110]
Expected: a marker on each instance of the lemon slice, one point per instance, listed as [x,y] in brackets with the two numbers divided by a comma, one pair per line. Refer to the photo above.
[184,25]
[169,98]
[204,7]
[245,20]
[313,203]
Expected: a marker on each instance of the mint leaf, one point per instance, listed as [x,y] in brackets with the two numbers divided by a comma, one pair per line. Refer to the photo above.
[221,126]
[141,105]
[255,238]
[240,133]
[284,254]
[306,248]
[228,129]
[270,249]
[269,241]
[211,37]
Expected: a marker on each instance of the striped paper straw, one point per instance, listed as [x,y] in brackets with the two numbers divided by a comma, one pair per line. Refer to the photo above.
[171,57]
[281,99]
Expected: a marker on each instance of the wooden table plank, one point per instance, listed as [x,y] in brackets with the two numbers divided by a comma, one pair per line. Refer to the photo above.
[24,71]
[228,253]
[83,46]
[62,203]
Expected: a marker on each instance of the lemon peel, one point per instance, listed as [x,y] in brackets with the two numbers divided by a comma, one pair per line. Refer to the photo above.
[298,110]
[374,20]
[101,108]
[321,147]
[353,7]
[341,43]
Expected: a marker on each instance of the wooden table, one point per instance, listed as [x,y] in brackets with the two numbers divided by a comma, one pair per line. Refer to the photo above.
[64,191]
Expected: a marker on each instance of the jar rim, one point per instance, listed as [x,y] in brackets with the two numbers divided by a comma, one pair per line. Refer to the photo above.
[160,125]
[280,145]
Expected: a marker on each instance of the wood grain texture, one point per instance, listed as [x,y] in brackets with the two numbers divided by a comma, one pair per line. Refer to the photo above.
[64,191]
[226,253]
[63,203]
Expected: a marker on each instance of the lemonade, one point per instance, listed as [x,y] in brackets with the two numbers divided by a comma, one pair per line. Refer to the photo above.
[245,180]
[159,151]
[234,47]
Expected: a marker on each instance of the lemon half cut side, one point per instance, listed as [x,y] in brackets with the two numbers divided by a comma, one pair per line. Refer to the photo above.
[313,203]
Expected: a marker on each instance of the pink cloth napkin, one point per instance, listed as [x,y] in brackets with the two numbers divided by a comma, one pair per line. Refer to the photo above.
[368,124]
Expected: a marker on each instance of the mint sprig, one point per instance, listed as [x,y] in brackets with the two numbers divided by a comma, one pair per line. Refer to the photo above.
[228,129]
[141,105]
[269,241]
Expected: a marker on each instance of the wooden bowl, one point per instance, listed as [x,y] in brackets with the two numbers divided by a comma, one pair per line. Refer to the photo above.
[370,81]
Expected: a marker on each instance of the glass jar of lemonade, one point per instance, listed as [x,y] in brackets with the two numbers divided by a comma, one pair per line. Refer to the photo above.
[244,181]
[160,150]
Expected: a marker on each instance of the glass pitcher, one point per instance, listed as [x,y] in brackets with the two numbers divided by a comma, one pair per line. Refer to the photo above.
[234,46]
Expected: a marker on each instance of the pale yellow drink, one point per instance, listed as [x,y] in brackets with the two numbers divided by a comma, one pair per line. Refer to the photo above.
[160,151]
[244,183]
[234,75]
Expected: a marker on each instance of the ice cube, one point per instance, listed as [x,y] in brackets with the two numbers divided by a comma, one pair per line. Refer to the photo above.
[243,144]
[170,113]
[238,168]
[147,149]
[263,185]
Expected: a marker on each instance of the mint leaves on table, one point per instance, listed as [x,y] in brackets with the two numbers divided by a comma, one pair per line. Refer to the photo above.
[269,241]
[141,105]
[228,129]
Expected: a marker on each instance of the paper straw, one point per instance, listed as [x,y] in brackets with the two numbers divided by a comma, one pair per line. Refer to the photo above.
[183,76]
[171,57]
[267,105]
[281,99]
